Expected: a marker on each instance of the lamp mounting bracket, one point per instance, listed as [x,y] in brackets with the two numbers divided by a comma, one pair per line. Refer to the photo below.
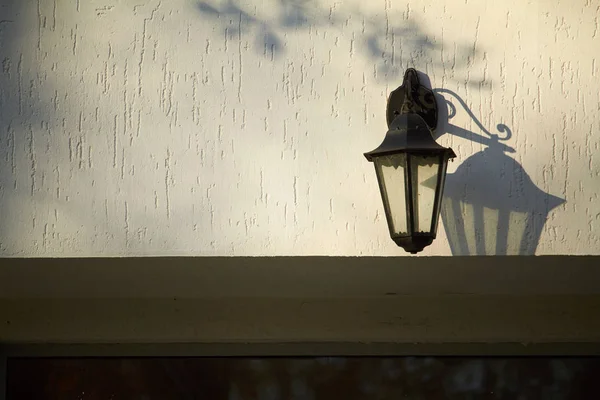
[412,98]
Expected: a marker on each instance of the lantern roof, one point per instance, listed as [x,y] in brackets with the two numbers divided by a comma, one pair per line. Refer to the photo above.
[409,133]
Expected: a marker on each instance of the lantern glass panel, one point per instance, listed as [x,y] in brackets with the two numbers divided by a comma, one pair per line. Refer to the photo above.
[424,172]
[440,193]
[391,173]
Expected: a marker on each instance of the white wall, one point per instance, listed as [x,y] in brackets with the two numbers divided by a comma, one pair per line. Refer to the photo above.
[238,127]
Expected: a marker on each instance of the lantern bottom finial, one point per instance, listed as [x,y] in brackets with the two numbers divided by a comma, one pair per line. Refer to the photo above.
[413,244]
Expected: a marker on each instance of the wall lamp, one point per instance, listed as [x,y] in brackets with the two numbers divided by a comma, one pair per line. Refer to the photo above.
[411,166]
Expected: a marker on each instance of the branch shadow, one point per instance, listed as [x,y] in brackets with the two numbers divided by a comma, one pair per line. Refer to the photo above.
[491,205]
[391,42]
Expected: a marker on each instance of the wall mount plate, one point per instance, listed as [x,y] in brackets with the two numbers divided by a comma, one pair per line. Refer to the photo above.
[412,97]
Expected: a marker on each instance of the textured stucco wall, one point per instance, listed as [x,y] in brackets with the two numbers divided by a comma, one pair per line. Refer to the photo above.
[237,127]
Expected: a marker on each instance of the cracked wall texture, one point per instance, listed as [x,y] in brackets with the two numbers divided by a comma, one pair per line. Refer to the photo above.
[237,127]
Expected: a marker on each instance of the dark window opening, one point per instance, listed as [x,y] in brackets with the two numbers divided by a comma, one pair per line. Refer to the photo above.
[306,378]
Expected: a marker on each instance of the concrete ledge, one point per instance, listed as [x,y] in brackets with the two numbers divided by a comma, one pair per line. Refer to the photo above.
[338,277]
[272,300]
[392,319]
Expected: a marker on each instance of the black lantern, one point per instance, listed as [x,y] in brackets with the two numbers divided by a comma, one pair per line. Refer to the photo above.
[411,166]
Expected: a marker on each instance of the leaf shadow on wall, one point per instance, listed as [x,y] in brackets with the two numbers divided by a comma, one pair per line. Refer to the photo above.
[391,43]
[491,206]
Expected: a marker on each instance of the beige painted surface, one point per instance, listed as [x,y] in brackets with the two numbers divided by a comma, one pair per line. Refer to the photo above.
[410,319]
[238,127]
[296,277]
[300,300]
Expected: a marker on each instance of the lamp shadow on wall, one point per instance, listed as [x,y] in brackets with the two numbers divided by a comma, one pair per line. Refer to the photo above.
[491,206]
